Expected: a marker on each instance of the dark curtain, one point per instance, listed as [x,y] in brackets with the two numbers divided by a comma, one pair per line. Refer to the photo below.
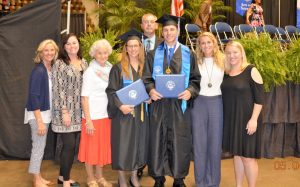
[20,34]
[271,12]
[281,116]
[76,23]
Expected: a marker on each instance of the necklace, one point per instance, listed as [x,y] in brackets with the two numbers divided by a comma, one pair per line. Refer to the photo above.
[209,76]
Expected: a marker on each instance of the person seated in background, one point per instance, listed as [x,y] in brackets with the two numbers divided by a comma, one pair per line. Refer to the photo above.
[204,16]
[254,14]
[38,108]
[95,147]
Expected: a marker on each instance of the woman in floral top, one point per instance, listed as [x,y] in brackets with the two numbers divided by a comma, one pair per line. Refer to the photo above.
[254,15]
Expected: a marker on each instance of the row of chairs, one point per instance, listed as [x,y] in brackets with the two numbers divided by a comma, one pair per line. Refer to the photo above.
[225,33]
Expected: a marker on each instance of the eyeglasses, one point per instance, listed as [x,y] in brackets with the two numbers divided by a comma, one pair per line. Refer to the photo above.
[132,46]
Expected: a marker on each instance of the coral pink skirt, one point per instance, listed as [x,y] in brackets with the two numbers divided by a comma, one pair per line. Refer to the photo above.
[96,149]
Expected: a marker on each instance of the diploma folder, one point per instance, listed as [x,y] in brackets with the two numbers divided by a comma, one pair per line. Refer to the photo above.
[170,86]
[133,94]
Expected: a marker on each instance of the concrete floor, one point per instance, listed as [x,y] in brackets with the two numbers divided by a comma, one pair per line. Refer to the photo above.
[272,173]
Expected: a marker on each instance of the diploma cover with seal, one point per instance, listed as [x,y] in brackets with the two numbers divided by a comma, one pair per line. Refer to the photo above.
[170,86]
[133,94]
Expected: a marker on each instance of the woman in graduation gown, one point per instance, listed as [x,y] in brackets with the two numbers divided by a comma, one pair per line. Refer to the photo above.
[129,131]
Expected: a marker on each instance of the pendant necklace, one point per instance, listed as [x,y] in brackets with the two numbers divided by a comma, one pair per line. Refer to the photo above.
[209,76]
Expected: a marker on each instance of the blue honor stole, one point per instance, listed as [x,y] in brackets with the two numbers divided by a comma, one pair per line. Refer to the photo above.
[158,66]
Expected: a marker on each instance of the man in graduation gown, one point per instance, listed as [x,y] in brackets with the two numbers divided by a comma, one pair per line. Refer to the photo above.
[170,127]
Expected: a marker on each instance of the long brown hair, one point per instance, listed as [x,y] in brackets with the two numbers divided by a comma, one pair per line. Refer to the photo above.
[125,60]
[63,55]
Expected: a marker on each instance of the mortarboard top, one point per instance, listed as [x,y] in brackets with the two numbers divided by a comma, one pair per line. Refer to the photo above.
[167,19]
[132,34]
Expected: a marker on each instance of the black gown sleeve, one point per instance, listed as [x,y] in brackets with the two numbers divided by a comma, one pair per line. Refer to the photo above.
[147,72]
[114,84]
[194,81]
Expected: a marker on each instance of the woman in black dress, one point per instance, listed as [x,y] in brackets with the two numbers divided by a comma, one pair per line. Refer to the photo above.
[242,91]
[129,130]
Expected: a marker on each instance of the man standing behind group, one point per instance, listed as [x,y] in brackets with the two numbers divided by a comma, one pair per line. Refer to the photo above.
[170,127]
[149,26]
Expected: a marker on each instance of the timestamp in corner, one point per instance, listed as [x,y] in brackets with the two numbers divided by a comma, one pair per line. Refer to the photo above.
[286,164]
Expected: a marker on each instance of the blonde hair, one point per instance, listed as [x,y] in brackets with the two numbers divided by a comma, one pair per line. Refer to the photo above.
[217,54]
[125,60]
[99,44]
[38,53]
[238,45]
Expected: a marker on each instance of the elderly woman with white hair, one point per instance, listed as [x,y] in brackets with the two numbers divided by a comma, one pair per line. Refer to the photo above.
[95,147]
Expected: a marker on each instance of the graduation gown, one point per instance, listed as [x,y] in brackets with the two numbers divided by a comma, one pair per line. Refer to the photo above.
[129,135]
[170,143]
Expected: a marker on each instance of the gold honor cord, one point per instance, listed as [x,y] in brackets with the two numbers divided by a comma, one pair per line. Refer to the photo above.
[142,112]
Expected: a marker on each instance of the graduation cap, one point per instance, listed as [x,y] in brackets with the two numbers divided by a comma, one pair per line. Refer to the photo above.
[132,34]
[167,19]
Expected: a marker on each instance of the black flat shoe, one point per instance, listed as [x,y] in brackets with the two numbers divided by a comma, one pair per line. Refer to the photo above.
[71,184]
[159,182]
[179,183]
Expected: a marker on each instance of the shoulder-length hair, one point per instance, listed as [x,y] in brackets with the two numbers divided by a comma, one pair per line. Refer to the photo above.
[63,55]
[217,54]
[125,60]
[38,53]
[238,45]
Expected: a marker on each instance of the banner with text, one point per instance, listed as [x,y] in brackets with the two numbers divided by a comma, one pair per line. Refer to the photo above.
[242,6]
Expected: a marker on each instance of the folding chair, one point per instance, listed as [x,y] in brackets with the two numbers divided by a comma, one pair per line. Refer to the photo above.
[292,32]
[224,33]
[258,30]
[236,31]
[212,29]
[283,35]
[192,31]
[273,34]
[244,28]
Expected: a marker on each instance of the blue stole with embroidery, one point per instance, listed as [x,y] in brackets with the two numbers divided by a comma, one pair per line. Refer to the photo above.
[158,66]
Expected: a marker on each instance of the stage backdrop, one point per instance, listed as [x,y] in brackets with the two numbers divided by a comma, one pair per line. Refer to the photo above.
[20,34]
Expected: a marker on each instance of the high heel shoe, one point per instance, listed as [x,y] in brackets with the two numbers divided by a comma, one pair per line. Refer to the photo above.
[131,183]
[71,184]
